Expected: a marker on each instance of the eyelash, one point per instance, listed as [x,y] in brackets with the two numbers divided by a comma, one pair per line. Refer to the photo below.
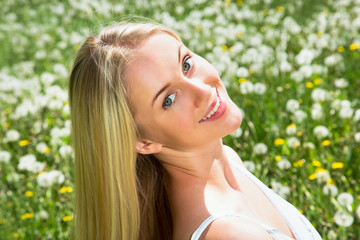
[186,58]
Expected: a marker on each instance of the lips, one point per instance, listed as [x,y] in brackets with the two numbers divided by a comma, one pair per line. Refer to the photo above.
[215,111]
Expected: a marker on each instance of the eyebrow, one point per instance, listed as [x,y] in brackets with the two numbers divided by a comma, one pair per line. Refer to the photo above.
[168,84]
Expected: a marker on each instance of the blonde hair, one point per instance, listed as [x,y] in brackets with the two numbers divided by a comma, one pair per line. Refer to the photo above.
[119,194]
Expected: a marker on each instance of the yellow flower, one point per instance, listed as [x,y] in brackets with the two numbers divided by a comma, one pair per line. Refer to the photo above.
[23,143]
[319,34]
[27,216]
[46,150]
[242,80]
[309,85]
[66,189]
[331,181]
[313,176]
[292,125]
[263,12]
[326,12]
[317,81]
[224,48]
[29,193]
[354,46]
[40,173]
[67,218]
[316,163]
[239,2]
[16,235]
[279,141]
[299,163]
[340,49]
[326,143]
[7,124]
[198,28]
[277,158]
[66,102]
[299,133]
[337,165]
[300,101]
[239,34]
[76,47]
[2,221]
[280,9]
[320,170]
[301,211]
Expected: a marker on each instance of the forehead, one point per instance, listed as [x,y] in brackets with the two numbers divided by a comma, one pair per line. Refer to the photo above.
[155,63]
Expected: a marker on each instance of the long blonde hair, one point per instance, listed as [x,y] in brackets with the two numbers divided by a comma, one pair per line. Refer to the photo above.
[119,194]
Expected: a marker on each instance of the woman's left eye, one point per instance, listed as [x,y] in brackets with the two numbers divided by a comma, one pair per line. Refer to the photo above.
[169,100]
[187,64]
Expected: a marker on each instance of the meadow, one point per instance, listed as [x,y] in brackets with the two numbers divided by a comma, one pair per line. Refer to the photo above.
[291,66]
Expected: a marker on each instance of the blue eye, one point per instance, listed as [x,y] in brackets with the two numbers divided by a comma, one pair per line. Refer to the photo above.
[169,100]
[187,64]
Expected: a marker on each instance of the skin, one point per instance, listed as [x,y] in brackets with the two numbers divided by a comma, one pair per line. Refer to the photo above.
[197,173]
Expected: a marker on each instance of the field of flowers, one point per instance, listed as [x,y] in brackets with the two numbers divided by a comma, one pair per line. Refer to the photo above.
[291,66]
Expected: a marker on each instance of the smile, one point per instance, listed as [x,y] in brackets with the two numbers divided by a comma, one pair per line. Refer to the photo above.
[218,109]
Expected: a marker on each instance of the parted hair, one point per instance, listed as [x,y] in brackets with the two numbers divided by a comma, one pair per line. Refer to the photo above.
[119,193]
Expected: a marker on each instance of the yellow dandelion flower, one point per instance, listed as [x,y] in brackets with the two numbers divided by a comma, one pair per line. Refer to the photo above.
[309,85]
[198,28]
[326,12]
[326,143]
[293,125]
[29,193]
[279,141]
[76,47]
[316,163]
[46,150]
[27,216]
[231,49]
[277,158]
[66,189]
[239,2]
[337,165]
[2,221]
[239,34]
[320,170]
[300,133]
[67,218]
[299,163]
[301,211]
[251,71]
[331,181]
[313,176]
[317,81]
[23,143]
[7,124]
[280,9]
[358,197]
[224,48]
[340,49]
[242,80]
[354,46]
[66,102]
[263,12]
[300,101]
[16,235]
[319,34]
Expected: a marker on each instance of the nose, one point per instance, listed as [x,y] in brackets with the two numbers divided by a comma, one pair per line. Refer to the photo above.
[199,91]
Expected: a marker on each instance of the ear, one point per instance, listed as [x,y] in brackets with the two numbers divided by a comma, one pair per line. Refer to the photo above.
[147,147]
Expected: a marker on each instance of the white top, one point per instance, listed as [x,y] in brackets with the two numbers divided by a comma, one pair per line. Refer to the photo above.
[298,224]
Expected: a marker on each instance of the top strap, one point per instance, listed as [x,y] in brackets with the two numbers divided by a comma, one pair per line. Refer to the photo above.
[198,232]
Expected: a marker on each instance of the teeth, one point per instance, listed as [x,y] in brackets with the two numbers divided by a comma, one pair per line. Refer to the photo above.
[216,107]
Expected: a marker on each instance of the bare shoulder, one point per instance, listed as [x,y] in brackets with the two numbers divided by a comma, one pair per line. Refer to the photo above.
[234,157]
[235,228]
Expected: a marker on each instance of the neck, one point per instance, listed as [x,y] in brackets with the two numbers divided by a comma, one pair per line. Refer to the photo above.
[202,166]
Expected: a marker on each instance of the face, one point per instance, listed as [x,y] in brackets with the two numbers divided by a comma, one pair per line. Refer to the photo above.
[177,96]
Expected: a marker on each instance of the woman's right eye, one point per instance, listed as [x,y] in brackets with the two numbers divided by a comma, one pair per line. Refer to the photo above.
[169,100]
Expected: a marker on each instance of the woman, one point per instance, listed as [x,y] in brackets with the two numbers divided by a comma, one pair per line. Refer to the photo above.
[148,116]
